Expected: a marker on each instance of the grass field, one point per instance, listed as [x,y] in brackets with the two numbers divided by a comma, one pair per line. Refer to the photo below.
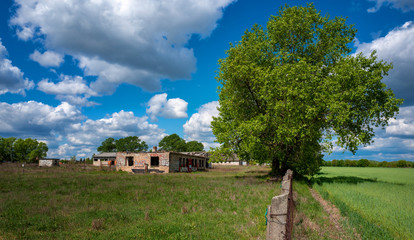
[379,202]
[71,202]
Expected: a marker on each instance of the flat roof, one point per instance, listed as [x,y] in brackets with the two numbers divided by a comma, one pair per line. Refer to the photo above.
[105,155]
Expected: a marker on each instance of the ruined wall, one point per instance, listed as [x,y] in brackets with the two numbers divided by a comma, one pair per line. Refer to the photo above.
[103,163]
[176,167]
[47,163]
[142,159]
[280,212]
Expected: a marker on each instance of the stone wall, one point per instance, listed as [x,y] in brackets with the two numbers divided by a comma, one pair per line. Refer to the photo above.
[280,212]
[48,163]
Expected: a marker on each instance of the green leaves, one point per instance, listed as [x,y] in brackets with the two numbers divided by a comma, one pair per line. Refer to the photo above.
[22,150]
[287,88]
[127,144]
[175,143]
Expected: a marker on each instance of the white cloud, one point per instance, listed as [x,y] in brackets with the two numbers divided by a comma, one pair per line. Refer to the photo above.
[403,125]
[11,77]
[158,105]
[47,59]
[120,124]
[66,132]
[405,5]
[198,127]
[72,89]
[396,47]
[146,40]
[36,119]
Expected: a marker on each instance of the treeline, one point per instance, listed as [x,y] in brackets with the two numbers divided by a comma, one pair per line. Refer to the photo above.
[171,142]
[368,163]
[21,150]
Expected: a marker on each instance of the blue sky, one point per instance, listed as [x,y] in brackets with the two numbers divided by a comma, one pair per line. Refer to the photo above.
[75,72]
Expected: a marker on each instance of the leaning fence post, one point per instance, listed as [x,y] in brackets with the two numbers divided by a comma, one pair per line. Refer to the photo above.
[280,212]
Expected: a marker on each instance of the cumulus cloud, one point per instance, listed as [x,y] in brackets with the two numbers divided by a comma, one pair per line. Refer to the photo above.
[66,131]
[158,105]
[36,119]
[72,89]
[198,127]
[403,125]
[120,124]
[47,59]
[11,77]
[395,141]
[145,39]
[405,5]
[396,47]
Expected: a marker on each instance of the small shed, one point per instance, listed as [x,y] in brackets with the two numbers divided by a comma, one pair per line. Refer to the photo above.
[48,162]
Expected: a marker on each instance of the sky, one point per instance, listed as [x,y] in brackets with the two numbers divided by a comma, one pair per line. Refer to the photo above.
[75,72]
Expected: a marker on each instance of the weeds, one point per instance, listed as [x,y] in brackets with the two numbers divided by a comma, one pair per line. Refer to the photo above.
[84,202]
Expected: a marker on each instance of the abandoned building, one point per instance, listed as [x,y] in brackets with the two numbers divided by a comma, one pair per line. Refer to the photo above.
[104,159]
[159,162]
[48,162]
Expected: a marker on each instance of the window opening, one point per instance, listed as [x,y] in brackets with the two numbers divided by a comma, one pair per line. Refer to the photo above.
[155,161]
[130,161]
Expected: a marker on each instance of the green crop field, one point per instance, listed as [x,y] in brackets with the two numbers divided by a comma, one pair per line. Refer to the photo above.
[71,202]
[379,202]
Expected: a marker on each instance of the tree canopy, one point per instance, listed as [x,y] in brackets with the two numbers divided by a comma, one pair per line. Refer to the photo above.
[290,91]
[127,144]
[194,146]
[175,143]
[108,145]
[22,150]
[172,142]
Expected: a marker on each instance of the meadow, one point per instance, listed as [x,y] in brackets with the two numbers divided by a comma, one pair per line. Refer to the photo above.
[379,202]
[78,202]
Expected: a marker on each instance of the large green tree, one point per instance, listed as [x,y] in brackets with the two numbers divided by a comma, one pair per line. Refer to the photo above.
[194,146]
[23,150]
[290,90]
[130,144]
[108,145]
[6,149]
[126,144]
[173,142]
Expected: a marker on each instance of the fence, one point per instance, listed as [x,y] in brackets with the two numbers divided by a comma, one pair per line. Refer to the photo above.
[280,212]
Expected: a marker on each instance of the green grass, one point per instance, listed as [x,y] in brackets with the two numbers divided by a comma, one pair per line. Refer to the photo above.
[377,201]
[74,203]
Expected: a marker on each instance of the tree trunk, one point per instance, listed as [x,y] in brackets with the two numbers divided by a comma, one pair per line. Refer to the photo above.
[275,167]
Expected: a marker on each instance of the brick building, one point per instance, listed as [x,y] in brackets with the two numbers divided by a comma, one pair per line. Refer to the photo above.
[159,162]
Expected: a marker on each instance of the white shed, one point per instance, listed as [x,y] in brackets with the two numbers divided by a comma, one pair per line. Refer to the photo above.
[48,162]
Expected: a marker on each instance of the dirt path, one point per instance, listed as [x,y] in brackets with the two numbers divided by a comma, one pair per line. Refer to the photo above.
[334,214]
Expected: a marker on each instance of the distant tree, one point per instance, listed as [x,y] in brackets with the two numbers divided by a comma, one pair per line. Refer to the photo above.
[402,163]
[220,154]
[130,144]
[108,145]
[29,150]
[363,163]
[88,161]
[6,149]
[382,164]
[39,152]
[194,146]
[328,163]
[173,142]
